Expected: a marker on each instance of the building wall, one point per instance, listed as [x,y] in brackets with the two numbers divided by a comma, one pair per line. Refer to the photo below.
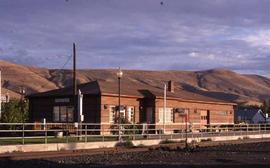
[219,114]
[96,109]
[42,107]
[106,101]
[91,109]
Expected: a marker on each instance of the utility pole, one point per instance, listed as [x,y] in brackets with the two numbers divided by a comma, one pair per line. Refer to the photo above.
[74,85]
[186,133]
[74,75]
[164,106]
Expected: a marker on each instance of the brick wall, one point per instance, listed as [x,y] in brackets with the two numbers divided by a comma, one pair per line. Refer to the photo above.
[219,113]
[106,101]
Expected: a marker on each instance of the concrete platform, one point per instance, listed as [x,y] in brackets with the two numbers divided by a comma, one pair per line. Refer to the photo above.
[96,145]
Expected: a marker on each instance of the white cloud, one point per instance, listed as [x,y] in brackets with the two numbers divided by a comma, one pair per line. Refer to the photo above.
[258,38]
[182,35]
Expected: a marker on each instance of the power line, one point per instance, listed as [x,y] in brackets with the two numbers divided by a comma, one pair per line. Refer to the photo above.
[32,73]
[61,69]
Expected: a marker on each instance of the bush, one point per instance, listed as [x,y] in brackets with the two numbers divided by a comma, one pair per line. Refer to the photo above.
[167,141]
[15,111]
[126,128]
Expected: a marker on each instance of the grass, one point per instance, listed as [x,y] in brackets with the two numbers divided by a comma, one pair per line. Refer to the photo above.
[69,139]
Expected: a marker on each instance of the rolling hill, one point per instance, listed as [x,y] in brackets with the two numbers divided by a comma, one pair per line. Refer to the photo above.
[218,83]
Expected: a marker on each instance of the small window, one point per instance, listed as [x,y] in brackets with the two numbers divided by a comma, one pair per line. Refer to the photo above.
[168,115]
[56,114]
[70,114]
[112,113]
[63,114]
[130,111]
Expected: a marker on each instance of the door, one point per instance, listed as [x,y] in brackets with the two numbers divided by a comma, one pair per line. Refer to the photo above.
[149,115]
[208,117]
[204,117]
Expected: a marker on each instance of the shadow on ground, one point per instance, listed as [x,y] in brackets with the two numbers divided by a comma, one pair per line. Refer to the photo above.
[39,163]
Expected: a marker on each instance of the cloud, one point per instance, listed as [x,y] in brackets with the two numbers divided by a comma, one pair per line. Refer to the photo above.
[180,35]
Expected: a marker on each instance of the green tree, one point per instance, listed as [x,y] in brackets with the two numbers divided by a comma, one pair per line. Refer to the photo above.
[15,111]
[265,107]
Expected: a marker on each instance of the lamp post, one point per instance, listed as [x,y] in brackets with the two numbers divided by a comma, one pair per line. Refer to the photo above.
[186,141]
[119,76]
[22,92]
[164,106]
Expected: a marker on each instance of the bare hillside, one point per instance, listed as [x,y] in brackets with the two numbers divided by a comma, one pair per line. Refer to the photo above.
[217,83]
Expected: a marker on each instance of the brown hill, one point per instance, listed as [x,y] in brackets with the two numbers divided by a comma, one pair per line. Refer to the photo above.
[217,83]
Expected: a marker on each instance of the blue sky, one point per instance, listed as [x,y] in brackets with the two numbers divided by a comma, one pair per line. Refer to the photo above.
[138,34]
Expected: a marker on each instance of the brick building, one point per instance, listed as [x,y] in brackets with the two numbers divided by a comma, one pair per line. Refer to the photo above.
[142,104]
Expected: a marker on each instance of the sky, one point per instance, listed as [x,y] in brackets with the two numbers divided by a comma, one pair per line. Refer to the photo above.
[138,34]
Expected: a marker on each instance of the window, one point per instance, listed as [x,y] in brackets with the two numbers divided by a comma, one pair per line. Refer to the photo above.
[122,112]
[63,114]
[130,111]
[56,114]
[168,115]
[112,112]
[203,117]
[70,114]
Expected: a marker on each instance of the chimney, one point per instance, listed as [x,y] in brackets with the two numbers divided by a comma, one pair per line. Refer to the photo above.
[171,86]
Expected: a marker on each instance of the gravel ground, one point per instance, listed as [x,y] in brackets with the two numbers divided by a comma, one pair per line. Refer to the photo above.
[241,155]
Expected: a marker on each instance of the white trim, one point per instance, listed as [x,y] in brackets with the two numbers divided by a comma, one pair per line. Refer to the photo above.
[111,116]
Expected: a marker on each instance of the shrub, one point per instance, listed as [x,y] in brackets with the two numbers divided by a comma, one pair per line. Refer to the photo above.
[126,128]
[127,144]
[167,141]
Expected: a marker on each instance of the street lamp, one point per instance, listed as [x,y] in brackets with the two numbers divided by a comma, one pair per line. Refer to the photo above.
[119,76]
[164,106]
[186,118]
[22,93]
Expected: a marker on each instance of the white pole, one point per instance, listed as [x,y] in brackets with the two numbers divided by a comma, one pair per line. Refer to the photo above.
[80,107]
[164,107]
[80,112]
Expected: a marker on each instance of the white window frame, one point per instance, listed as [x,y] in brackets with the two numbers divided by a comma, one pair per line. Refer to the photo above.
[168,115]
[130,112]
[112,113]
[63,111]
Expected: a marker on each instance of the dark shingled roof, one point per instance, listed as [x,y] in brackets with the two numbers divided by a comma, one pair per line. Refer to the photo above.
[91,88]
[128,88]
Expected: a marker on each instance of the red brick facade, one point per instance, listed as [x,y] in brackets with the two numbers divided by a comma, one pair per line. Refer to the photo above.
[140,106]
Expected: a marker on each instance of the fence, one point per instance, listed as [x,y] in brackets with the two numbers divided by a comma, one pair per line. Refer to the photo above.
[37,133]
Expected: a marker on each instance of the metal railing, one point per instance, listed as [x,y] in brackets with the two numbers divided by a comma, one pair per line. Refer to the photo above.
[42,133]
